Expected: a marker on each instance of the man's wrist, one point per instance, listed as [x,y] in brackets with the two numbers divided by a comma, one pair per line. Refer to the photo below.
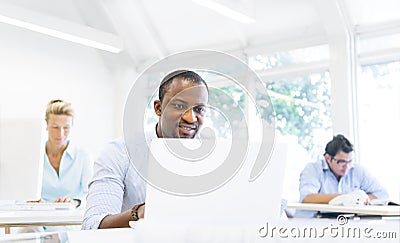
[134,212]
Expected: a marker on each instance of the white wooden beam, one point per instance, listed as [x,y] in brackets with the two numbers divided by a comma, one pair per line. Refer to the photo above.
[59,28]
[155,36]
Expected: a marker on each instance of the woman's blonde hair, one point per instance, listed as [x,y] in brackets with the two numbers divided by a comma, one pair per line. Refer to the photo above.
[58,107]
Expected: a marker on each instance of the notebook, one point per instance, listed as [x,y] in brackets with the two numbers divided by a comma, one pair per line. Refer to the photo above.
[367,209]
[239,202]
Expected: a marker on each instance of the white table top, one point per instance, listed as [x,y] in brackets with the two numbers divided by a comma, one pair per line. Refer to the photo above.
[41,217]
[371,210]
[180,233]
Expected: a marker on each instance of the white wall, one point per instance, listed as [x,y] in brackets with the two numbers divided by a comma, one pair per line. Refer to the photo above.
[125,76]
[35,68]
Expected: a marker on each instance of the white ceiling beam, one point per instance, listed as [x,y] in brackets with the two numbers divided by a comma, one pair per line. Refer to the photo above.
[381,56]
[286,44]
[226,11]
[93,13]
[294,70]
[116,16]
[263,47]
[387,28]
[160,48]
[59,28]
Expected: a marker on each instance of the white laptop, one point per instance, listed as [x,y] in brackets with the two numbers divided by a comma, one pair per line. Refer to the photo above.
[21,158]
[238,202]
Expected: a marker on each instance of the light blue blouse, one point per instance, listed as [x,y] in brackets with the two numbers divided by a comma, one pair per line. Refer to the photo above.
[74,174]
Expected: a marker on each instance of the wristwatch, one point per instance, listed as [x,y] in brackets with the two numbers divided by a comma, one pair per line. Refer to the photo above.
[134,211]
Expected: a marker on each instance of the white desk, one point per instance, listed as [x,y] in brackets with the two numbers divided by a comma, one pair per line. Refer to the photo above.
[370,210]
[180,233]
[98,236]
[40,218]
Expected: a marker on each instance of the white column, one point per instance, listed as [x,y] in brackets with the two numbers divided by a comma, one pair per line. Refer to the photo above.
[341,66]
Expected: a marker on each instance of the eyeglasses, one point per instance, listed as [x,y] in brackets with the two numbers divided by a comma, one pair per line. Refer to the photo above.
[343,162]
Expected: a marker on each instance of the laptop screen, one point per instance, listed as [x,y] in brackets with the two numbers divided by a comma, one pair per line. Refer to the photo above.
[21,158]
[237,201]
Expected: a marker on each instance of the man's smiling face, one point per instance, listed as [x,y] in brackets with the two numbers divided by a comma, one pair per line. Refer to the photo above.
[182,109]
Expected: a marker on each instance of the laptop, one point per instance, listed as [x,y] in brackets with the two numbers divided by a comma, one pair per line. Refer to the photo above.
[237,202]
[22,142]
[21,158]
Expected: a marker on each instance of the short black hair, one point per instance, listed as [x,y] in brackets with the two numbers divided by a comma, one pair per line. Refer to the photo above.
[338,143]
[184,74]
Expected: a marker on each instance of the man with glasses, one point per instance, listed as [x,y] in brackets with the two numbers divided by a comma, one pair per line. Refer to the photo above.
[336,174]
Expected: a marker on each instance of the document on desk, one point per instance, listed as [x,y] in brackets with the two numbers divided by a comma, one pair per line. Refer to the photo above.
[368,209]
[60,237]
[380,202]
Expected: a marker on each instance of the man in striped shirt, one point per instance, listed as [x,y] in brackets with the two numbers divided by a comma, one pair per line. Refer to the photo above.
[117,191]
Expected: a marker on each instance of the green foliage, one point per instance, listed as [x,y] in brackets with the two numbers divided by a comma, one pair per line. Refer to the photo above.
[225,104]
[302,106]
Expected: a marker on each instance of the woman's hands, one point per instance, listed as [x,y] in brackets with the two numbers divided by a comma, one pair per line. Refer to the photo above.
[67,200]
[59,200]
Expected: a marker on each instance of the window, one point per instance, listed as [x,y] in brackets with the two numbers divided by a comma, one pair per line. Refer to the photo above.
[378,123]
[300,94]
[281,59]
[301,100]
[378,101]
[302,107]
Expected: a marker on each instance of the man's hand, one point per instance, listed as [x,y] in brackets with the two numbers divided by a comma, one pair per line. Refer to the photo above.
[141,211]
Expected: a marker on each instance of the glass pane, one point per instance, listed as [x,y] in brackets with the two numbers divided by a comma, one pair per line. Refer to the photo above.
[379,43]
[280,59]
[379,119]
[303,113]
[302,106]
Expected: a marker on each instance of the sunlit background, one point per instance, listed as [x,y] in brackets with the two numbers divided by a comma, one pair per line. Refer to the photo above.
[329,67]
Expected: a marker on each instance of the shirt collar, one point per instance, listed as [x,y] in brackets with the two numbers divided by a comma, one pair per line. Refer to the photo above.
[324,164]
[70,151]
[156,135]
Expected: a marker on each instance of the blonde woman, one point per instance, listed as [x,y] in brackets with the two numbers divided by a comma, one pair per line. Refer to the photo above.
[67,168]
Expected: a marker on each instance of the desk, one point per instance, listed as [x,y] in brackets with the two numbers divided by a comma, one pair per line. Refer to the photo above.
[98,236]
[40,218]
[182,233]
[370,210]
